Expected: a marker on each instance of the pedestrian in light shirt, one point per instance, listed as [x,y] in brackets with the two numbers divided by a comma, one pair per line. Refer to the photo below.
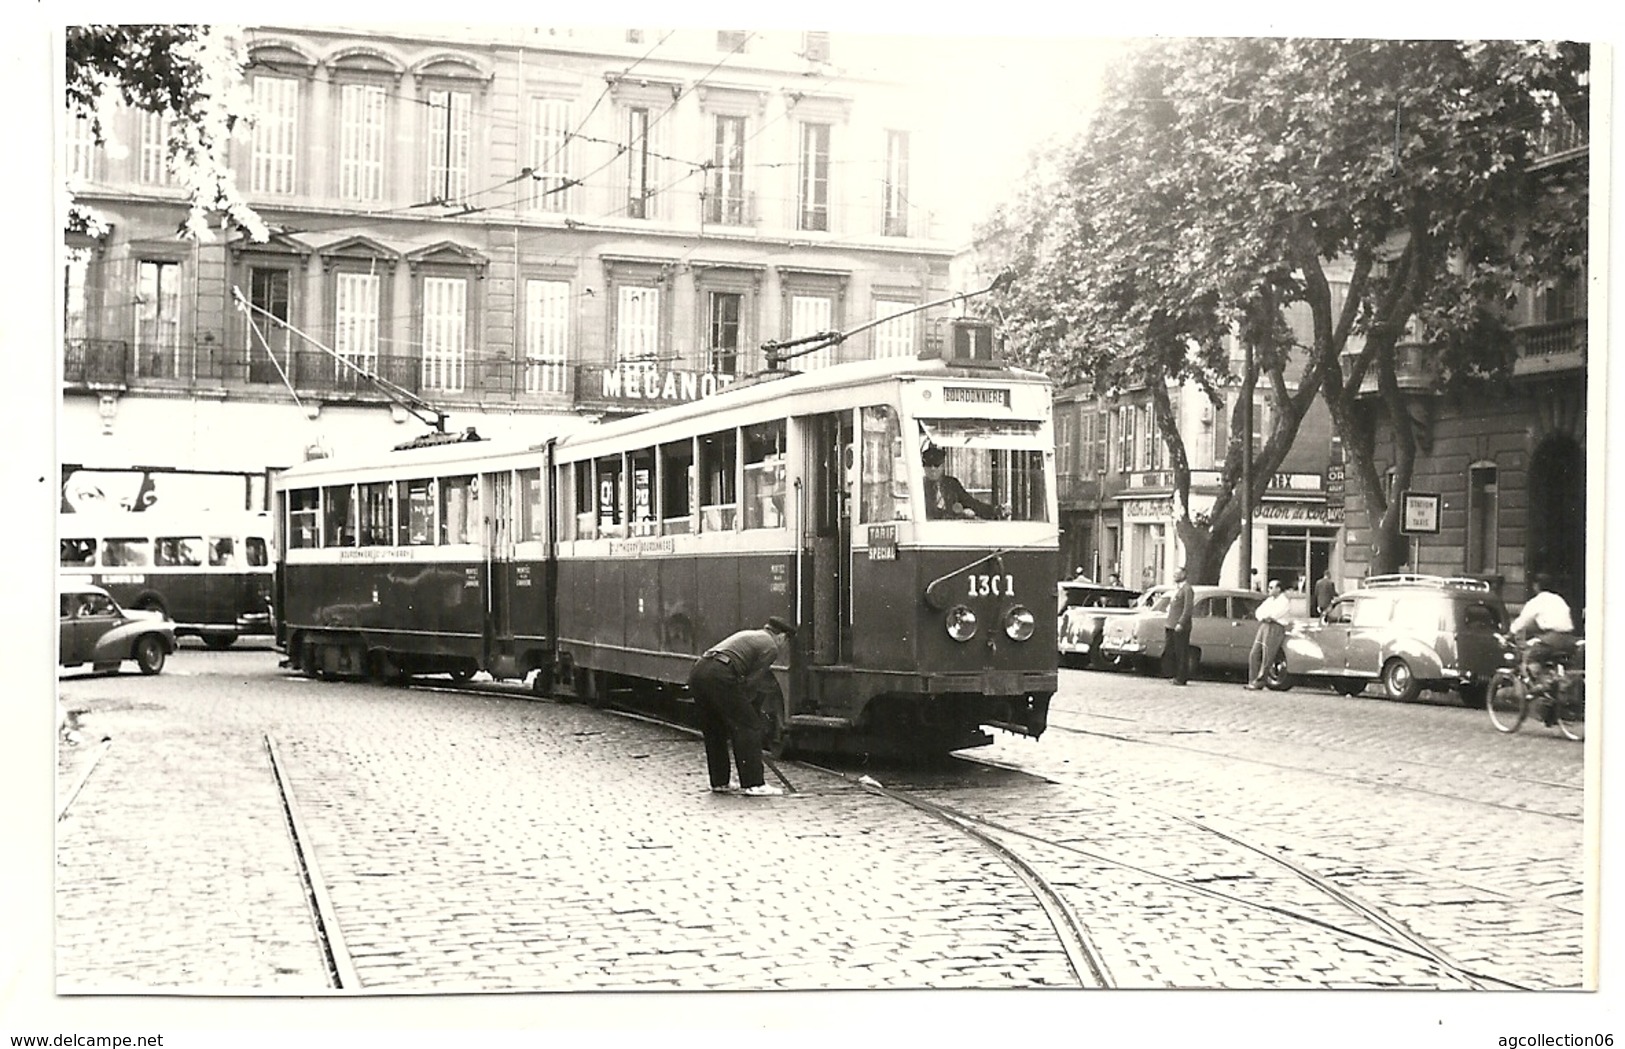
[1178,626]
[1272,615]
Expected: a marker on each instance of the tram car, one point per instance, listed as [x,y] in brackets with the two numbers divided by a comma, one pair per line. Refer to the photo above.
[602,562]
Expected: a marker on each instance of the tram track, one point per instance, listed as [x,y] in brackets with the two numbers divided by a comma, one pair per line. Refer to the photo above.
[340,967]
[1345,776]
[1009,842]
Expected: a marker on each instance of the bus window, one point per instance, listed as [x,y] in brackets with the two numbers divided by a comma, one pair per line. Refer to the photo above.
[76,553]
[416,501]
[642,463]
[457,495]
[302,512]
[611,497]
[764,475]
[126,553]
[338,516]
[532,512]
[258,556]
[718,498]
[884,485]
[676,478]
[377,513]
[179,552]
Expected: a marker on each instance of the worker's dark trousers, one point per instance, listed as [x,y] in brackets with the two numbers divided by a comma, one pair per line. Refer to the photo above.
[726,716]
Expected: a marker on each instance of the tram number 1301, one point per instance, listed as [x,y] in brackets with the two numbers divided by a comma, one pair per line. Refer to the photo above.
[997,585]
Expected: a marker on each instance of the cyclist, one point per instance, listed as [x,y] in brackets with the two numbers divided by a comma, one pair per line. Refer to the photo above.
[1548,625]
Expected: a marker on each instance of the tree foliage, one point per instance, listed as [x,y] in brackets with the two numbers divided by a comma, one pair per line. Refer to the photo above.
[193,75]
[1383,186]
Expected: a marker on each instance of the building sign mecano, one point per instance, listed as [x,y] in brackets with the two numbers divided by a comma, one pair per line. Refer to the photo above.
[640,386]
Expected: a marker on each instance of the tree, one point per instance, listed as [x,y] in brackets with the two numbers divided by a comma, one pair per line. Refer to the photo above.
[1383,186]
[1121,281]
[191,74]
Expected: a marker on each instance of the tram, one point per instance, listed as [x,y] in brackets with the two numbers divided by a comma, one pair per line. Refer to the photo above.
[602,562]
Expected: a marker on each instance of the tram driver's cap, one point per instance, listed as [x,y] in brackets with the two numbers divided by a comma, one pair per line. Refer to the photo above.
[782,626]
[933,456]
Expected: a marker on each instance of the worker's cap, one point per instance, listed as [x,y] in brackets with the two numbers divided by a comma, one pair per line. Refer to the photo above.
[933,456]
[782,626]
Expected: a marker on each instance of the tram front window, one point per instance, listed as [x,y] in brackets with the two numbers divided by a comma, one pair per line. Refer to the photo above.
[982,472]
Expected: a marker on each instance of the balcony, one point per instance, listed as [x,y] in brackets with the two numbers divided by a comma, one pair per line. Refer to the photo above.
[1416,369]
[1554,346]
[209,369]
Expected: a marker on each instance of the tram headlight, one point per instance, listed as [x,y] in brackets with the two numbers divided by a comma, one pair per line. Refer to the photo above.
[1019,623]
[961,623]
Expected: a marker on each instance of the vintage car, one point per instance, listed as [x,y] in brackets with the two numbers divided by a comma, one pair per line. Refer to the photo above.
[1408,632]
[1084,607]
[1222,631]
[95,630]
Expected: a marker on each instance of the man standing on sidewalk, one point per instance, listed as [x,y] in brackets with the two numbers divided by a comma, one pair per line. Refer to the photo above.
[1178,627]
[723,681]
[1272,615]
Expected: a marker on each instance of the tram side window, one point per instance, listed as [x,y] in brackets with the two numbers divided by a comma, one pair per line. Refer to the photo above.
[126,553]
[532,507]
[611,496]
[302,514]
[178,551]
[764,475]
[719,498]
[377,513]
[77,553]
[457,498]
[579,516]
[642,463]
[258,555]
[884,495]
[338,515]
[676,481]
[416,501]
[222,551]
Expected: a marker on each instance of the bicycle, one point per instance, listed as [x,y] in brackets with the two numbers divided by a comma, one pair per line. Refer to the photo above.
[1514,689]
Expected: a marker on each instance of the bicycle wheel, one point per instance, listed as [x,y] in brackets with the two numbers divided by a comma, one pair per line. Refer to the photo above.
[1571,709]
[1508,702]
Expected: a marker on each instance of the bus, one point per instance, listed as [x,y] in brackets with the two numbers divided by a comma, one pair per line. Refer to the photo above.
[209,571]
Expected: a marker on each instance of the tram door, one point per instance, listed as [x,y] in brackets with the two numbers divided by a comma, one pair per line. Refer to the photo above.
[827,537]
[498,560]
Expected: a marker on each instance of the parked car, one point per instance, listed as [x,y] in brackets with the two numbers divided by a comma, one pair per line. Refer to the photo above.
[1408,632]
[1222,630]
[1084,607]
[95,630]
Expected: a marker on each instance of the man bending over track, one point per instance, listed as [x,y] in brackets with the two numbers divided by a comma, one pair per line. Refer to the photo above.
[723,681]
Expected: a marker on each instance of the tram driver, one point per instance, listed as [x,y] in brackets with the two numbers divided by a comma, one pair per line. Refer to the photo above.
[946,497]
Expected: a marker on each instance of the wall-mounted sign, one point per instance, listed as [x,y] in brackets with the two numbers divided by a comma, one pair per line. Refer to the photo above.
[640,386]
[1419,513]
